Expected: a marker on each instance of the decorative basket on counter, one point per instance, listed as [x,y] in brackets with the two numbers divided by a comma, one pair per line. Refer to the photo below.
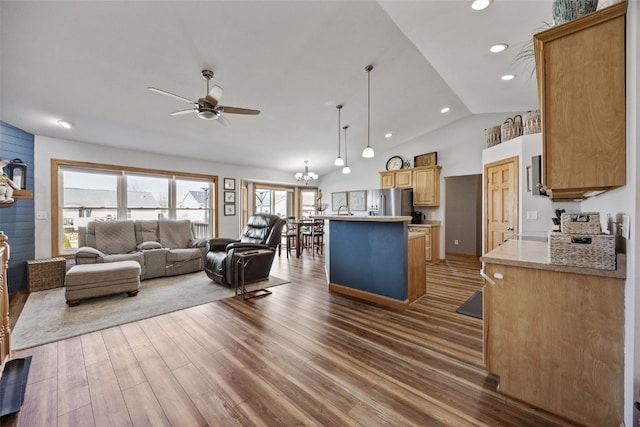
[583,250]
[580,223]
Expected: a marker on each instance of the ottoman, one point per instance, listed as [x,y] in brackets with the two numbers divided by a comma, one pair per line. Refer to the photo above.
[92,280]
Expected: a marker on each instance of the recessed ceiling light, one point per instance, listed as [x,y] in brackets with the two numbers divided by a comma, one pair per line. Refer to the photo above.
[480,4]
[508,77]
[388,135]
[65,124]
[500,47]
[445,110]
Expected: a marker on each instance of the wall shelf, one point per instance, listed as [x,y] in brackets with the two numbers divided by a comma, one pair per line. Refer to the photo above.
[18,194]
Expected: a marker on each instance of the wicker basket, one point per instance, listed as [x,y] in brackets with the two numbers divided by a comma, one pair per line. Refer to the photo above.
[580,223]
[493,135]
[45,274]
[583,250]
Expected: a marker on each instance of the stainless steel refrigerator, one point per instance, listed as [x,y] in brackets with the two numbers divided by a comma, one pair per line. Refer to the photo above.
[390,202]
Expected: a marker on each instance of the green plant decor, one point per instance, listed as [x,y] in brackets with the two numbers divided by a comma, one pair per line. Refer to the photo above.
[568,10]
[562,11]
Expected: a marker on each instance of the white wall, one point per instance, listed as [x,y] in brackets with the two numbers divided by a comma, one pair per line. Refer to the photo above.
[524,147]
[46,148]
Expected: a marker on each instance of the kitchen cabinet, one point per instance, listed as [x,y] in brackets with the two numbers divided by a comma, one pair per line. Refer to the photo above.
[431,241]
[396,179]
[424,180]
[426,186]
[554,336]
[580,69]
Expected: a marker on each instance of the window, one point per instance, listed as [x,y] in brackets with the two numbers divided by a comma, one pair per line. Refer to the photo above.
[92,192]
[278,201]
[308,203]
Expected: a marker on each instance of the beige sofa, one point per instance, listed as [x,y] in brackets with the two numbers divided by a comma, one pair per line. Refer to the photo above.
[161,247]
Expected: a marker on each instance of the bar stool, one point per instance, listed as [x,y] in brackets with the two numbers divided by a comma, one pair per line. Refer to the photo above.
[314,237]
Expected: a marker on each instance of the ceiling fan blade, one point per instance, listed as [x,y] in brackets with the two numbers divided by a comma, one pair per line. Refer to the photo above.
[173,95]
[236,110]
[181,112]
[222,121]
[214,95]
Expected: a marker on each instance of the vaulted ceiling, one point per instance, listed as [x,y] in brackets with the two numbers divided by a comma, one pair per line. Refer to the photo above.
[91,63]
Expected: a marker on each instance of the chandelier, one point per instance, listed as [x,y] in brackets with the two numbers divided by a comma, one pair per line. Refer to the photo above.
[306,176]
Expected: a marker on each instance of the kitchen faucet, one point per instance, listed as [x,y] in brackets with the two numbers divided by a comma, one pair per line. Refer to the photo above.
[344,206]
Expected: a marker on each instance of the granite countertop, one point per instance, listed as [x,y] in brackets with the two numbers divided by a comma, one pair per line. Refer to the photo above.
[532,254]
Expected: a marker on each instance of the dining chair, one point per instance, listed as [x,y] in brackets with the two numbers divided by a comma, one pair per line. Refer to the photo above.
[289,234]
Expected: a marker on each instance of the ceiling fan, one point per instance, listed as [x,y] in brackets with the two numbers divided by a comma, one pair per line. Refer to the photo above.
[207,108]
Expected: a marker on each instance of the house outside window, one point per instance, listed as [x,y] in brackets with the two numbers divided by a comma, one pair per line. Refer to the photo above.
[95,193]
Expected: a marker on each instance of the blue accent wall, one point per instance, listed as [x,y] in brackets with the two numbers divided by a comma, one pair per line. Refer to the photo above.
[17,221]
[369,256]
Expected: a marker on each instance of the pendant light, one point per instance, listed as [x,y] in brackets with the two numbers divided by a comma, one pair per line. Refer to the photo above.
[368,151]
[346,168]
[339,160]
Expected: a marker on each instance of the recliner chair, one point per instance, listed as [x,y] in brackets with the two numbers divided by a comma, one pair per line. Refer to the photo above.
[261,232]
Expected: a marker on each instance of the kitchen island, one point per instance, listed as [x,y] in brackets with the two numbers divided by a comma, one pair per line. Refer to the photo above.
[376,259]
[555,334]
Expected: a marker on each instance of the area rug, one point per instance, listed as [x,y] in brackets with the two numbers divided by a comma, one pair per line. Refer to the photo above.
[473,306]
[46,316]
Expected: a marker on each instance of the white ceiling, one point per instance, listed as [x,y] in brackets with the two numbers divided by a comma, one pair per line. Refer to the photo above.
[91,63]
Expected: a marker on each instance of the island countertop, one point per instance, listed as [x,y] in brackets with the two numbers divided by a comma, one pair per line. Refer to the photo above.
[531,254]
[364,218]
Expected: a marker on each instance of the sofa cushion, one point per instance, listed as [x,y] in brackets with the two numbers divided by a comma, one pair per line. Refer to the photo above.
[115,237]
[174,234]
[146,230]
[182,255]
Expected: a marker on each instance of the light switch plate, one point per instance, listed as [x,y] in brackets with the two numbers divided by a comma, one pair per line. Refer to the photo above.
[532,214]
[41,215]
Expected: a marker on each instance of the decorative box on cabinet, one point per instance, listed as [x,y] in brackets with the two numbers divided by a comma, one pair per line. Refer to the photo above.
[426,186]
[580,69]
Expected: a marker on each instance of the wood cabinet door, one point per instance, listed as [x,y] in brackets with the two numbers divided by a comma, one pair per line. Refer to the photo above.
[501,201]
[387,179]
[581,85]
[426,186]
[404,179]
[556,340]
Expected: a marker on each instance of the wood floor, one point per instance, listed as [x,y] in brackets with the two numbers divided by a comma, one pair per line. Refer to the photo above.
[301,356]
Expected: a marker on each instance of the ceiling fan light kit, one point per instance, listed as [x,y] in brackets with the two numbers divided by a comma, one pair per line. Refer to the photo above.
[368,152]
[207,108]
